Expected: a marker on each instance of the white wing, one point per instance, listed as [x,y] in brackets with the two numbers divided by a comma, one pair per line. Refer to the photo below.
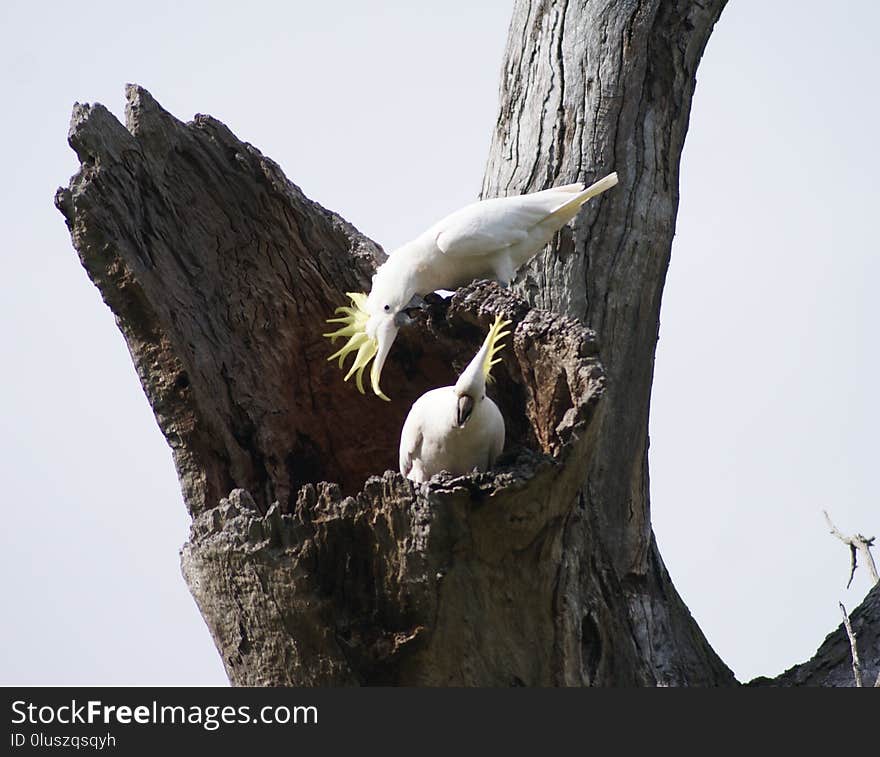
[410,440]
[491,225]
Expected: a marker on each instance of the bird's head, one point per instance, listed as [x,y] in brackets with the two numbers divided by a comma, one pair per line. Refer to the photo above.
[470,389]
[371,325]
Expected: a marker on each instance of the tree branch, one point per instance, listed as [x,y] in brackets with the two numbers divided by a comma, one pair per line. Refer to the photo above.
[857,543]
[854,651]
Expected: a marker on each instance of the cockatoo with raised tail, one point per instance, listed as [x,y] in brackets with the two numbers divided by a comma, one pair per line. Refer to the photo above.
[490,239]
[456,428]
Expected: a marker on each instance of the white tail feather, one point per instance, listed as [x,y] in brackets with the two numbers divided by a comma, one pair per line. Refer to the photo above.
[569,209]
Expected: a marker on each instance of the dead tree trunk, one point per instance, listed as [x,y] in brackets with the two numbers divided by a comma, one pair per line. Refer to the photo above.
[311,562]
[221,275]
[587,88]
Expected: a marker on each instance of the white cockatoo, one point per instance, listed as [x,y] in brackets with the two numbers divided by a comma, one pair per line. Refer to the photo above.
[490,239]
[456,428]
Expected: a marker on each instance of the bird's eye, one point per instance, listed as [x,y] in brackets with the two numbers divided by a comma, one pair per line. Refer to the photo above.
[387,308]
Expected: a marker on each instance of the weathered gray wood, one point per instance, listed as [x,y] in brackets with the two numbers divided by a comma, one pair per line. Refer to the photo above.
[447,584]
[215,266]
[221,274]
[590,87]
[856,543]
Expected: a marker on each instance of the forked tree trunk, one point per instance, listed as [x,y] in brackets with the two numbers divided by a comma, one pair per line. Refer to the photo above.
[221,273]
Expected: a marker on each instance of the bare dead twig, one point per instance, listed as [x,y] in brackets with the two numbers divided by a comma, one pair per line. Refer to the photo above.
[857,543]
[856,665]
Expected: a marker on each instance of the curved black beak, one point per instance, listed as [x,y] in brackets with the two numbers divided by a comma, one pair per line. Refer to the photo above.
[464,409]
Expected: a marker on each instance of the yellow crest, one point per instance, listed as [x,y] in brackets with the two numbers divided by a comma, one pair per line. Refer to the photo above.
[493,346]
[355,320]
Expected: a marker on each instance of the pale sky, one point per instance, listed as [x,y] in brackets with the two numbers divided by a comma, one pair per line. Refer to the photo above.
[764,408]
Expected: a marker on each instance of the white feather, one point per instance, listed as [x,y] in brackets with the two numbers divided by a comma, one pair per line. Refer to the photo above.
[431,441]
[483,228]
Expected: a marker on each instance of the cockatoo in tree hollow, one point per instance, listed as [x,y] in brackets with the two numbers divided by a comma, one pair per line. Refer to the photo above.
[456,428]
[485,240]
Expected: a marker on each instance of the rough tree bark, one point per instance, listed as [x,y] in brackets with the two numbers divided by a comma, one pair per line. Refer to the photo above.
[221,275]
[588,87]
[311,562]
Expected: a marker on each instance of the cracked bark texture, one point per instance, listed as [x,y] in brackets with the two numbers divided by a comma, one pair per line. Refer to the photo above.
[221,274]
[452,583]
[586,88]
[312,562]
